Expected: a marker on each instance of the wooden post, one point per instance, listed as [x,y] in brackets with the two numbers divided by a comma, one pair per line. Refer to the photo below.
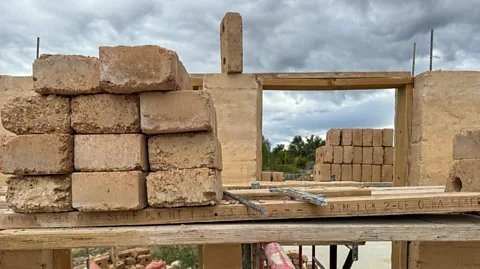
[220,256]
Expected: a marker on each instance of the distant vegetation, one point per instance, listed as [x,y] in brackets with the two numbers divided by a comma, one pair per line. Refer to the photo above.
[300,154]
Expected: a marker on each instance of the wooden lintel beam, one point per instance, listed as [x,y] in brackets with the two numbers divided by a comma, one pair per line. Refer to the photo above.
[431,203]
[334,83]
[404,228]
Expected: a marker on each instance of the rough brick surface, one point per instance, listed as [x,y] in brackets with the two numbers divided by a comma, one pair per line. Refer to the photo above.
[41,154]
[376,173]
[318,155]
[184,150]
[336,171]
[347,154]
[357,172]
[111,152]
[387,173]
[366,172]
[109,191]
[367,137]
[337,154]
[325,172]
[106,113]
[357,155]
[387,137]
[66,74]
[277,176]
[267,176]
[347,137]
[367,155]
[184,187]
[39,194]
[325,154]
[464,176]
[176,112]
[466,145]
[388,155]
[357,137]
[377,138]
[231,43]
[346,172]
[333,137]
[377,155]
[125,69]
[37,115]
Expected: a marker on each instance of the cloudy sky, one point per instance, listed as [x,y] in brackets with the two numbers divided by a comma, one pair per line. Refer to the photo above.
[279,35]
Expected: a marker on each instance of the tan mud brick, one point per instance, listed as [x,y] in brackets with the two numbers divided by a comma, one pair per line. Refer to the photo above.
[387,137]
[347,137]
[325,154]
[466,145]
[367,155]
[144,259]
[184,187]
[357,137]
[366,172]
[37,115]
[66,74]
[325,172]
[267,176]
[367,137]
[347,154]
[111,152]
[106,113]
[336,171]
[39,194]
[176,112]
[129,69]
[337,154]
[41,154]
[387,173]
[356,172]
[376,173]
[357,155]
[277,176]
[377,138]
[184,150]
[377,155]
[318,155]
[109,191]
[388,155]
[231,43]
[333,137]
[464,176]
[346,172]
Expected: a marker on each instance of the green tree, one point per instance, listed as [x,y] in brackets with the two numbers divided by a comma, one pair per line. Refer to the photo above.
[265,154]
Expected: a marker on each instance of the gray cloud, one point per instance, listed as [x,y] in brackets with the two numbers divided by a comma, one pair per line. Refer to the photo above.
[279,35]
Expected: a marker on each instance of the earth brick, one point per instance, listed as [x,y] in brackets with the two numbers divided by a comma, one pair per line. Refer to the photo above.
[377,138]
[266,176]
[366,172]
[377,155]
[356,172]
[40,154]
[466,145]
[37,115]
[231,43]
[367,155]
[39,194]
[346,172]
[337,154]
[357,135]
[130,69]
[333,137]
[387,137]
[336,171]
[111,152]
[347,137]
[177,112]
[184,187]
[367,137]
[66,74]
[376,173]
[106,114]
[184,150]
[109,191]
[325,172]
[357,155]
[326,154]
[347,154]
[464,176]
[388,155]
[387,173]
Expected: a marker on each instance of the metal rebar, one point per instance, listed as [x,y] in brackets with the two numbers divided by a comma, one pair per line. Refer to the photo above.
[333,257]
[431,49]
[246,202]
[316,199]
[413,58]
[300,256]
[247,256]
[313,256]
[38,46]
[88,258]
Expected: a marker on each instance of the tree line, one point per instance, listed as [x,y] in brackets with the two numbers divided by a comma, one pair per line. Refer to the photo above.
[298,155]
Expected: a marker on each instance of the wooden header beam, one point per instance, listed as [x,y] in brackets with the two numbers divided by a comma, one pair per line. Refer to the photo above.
[424,228]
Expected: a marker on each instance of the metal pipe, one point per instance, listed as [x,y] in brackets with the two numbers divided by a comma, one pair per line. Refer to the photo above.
[333,257]
[313,256]
[38,46]
[431,49]
[276,256]
[246,256]
[414,55]
[300,256]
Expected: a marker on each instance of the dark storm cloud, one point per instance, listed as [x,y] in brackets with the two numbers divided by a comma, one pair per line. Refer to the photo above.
[279,35]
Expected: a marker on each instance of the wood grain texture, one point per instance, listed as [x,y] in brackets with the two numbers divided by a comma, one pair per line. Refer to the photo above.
[265,194]
[316,84]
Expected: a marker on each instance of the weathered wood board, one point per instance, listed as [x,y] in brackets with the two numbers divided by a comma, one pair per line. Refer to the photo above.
[264,194]
[337,207]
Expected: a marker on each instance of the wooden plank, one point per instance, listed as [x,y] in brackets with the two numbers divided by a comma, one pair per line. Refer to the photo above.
[293,184]
[62,258]
[334,84]
[403,228]
[264,194]
[337,207]
[294,75]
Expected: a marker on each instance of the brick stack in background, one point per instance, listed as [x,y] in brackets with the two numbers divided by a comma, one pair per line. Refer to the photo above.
[116,132]
[272,176]
[364,155]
